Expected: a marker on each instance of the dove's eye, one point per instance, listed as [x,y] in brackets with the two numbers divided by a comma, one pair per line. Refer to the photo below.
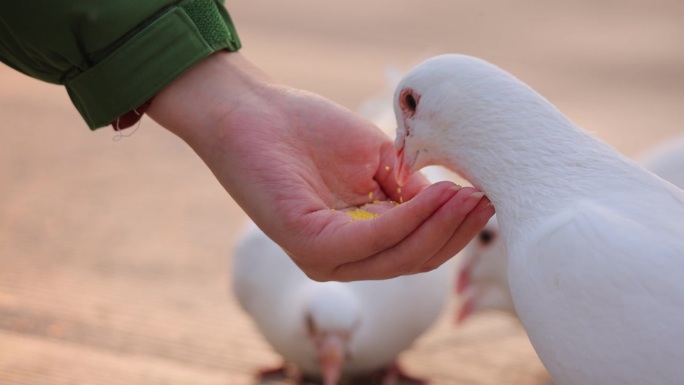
[408,102]
[486,237]
[411,102]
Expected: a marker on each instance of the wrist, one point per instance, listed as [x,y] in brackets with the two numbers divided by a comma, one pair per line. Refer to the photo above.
[226,109]
[208,93]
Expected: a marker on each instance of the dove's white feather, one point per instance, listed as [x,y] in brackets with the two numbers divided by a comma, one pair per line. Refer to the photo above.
[591,291]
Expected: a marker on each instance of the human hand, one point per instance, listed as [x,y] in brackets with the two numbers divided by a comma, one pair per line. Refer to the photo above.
[295,161]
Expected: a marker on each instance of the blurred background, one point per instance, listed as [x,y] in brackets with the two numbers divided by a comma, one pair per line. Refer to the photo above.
[114,254]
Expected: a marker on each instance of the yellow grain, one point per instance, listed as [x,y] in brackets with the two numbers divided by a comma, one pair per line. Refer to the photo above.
[358,214]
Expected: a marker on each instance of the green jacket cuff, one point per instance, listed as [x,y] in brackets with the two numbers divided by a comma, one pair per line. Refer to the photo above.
[150,59]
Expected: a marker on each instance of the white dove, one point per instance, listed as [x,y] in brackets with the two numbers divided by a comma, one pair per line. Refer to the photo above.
[482,275]
[595,241]
[482,279]
[666,160]
[331,330]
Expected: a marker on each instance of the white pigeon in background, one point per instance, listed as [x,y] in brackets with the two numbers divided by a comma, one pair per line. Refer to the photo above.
[482,275]
[595,241]
[482,278]
[666,160]
[331,330]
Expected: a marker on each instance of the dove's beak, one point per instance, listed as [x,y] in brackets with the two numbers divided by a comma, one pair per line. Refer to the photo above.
[465,291]
[403,167]
[463,281]
[331,357]
[464,311]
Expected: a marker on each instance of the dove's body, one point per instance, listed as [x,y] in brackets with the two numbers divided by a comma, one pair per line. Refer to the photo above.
[601,293]
[483,268]
[595,241]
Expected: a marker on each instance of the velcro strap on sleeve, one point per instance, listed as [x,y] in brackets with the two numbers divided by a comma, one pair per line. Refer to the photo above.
[150,59]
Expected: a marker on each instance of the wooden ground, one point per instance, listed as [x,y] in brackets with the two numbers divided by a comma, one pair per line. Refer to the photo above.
[114,254]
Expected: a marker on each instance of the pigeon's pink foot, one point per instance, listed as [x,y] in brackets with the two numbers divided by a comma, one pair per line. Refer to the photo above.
[279,373]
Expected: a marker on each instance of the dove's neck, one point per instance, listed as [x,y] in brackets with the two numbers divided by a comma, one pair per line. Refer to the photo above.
[332,306]
[535,172]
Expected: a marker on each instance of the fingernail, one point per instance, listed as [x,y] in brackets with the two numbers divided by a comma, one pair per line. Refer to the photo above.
[477,195]
[456,187]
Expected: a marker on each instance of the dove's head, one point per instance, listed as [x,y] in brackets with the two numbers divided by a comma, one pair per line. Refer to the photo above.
[457,110]
[483,259]
[332,318]
[482,276]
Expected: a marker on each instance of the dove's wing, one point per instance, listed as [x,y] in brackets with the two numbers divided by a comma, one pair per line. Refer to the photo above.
[611,283]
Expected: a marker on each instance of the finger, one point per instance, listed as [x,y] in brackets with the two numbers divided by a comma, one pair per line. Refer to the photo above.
[420,246]
[362,238]
[339,239]
[471,226]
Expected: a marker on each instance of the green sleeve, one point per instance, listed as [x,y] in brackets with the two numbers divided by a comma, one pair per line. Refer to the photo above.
[112,56]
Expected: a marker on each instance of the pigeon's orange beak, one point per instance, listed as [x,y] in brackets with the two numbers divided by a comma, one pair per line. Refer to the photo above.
[464,311]
[331,357]
[402,168]
[463,281]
